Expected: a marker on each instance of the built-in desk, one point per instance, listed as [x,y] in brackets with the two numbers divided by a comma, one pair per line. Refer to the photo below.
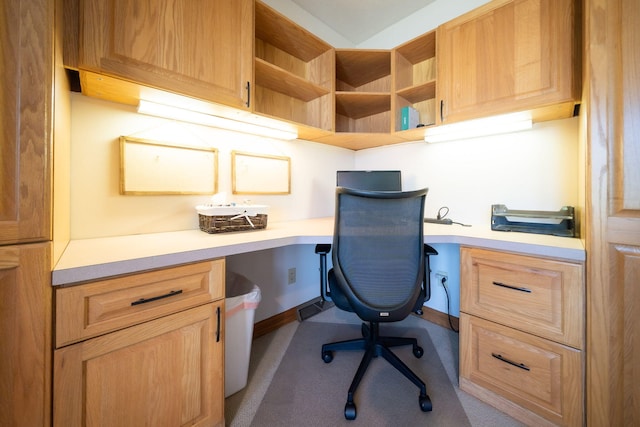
[553,265]
[91,259]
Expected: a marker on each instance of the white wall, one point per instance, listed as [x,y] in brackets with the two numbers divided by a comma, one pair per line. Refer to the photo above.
[98,209]
[536,169]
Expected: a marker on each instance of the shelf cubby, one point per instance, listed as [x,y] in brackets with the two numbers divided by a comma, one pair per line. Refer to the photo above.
[415,79]
[294,71]
[363,91]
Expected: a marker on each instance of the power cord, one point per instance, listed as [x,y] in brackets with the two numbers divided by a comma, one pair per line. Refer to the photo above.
[441,215]
[443,282]
[441,218]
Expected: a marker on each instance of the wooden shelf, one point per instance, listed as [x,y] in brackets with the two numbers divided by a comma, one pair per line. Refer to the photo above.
[419,49]
[286,35]
[415,80]
[357,105]
[282,81]
[294,72]
[419,93]
[361,140]
[357,67]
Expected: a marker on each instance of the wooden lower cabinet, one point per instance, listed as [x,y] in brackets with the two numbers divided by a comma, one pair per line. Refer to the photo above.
[536,374]
[25,335]
[168,371]
[522,335]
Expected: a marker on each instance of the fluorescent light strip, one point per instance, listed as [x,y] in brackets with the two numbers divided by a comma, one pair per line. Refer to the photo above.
[176,113]
[480,127]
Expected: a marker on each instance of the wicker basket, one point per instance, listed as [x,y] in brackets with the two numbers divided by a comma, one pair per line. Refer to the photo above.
[224,219]
[226,223]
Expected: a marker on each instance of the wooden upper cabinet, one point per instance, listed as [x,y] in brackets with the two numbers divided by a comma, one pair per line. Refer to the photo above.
[510,56]
[200,48]
[26,67]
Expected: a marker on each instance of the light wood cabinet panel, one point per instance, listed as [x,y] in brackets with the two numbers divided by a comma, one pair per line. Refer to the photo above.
[26,67]
[522,326]
[201,49]
[611,133]
[541,296]
[166,372]
[25,335]
[146,349]
[26,143]
[538,374]
[510,56]
[99,307]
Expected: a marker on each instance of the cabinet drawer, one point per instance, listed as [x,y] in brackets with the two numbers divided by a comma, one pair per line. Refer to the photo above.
[541,296]
[96,308]
[534,373]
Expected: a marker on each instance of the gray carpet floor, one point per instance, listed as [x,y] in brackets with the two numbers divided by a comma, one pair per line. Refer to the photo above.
[268,351]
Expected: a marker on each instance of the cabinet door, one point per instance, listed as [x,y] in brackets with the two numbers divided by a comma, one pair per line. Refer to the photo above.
[613,212]
[26,67]
[508,56]
[166,372]
[199,48]
[25,335]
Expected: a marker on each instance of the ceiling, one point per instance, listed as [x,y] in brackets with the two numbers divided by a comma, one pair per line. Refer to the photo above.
[359,20]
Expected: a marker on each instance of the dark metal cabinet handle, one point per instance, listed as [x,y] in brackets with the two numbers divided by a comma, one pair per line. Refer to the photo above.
[441,110]
[510,362]
[515,288]
[146,300]
[248,94]
[218,328]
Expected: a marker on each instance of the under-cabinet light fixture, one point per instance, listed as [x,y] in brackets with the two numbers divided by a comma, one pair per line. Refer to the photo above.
[496,125]
[190,116]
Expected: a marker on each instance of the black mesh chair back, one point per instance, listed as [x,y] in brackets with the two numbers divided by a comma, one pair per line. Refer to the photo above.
[378,271]
[378,255]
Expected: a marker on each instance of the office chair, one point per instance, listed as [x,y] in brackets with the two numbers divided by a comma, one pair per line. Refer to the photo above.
[378,270]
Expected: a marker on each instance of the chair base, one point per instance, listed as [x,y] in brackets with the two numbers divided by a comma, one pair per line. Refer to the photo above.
[375,345]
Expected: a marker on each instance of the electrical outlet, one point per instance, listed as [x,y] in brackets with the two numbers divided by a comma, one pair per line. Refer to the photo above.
[442,277]
[292,276]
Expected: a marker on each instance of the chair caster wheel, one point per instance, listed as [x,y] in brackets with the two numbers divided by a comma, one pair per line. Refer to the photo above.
[327,356]
[350,411]
[425,403]
[418,352]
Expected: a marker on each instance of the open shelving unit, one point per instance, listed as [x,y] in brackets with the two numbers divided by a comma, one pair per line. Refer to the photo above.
[363,91]
[415,81]
[294,73]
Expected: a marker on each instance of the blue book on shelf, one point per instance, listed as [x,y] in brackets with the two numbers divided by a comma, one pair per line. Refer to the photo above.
[409,118]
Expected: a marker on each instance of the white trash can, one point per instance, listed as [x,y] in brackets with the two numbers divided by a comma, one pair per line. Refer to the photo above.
[242,298]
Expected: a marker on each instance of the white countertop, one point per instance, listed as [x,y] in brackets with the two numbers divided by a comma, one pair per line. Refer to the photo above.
[92,259]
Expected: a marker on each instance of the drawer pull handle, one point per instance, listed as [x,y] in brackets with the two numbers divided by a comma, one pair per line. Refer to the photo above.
[510,362]
[146,300]
[218,327]
[515,288]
